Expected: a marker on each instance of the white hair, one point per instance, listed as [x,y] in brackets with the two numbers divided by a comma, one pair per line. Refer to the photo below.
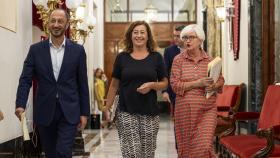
[193,28]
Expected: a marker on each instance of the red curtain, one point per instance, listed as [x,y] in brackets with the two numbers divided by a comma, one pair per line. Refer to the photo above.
[236,29]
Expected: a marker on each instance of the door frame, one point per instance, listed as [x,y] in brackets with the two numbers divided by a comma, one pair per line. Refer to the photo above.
[268,49]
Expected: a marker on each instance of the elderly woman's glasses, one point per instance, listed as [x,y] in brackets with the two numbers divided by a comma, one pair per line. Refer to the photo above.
[191,38]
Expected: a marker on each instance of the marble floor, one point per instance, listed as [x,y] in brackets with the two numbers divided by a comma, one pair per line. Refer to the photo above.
[105,144]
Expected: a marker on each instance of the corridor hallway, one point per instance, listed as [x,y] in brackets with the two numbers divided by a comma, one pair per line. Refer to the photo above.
[105,143]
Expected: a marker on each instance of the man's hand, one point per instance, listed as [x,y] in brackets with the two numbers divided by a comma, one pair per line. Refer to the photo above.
[18,112]
[1,116]
[83,122]
[165,97]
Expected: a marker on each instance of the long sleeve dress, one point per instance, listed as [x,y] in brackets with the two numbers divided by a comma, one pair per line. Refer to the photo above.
[195,116]
[99,93]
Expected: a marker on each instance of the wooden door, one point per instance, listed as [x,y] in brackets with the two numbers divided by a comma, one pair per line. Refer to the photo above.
[268,43]
[114,33]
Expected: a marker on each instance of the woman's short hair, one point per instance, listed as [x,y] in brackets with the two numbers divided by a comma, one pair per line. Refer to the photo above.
[151,44]
[193,28]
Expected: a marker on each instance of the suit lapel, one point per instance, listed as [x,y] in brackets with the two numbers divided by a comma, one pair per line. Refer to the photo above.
[47,56]
[67,53]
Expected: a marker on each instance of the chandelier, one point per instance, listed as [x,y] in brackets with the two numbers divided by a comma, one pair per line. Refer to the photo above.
[80,25]
[117,7]
[151,13]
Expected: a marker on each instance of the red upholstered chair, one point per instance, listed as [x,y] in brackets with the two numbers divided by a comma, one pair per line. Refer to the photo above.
[227,102]
[262,144]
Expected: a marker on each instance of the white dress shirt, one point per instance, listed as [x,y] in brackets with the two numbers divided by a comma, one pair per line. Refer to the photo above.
[57,57]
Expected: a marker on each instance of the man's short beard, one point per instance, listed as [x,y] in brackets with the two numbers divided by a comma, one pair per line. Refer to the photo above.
[59,35]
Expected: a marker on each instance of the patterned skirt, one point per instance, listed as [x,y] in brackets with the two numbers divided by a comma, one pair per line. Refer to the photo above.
[137,134]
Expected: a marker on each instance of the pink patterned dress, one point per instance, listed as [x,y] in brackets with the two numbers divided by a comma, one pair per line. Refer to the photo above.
[195,116]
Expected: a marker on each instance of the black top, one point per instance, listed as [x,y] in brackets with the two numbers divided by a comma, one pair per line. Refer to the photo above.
[132,74]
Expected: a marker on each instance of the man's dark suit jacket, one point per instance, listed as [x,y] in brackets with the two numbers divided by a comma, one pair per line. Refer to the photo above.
[71,87]
[169,55]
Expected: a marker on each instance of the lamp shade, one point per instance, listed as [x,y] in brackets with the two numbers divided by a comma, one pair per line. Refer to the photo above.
[221,12]
[91,20]
[41,3]
[37,2]
[73,4]
[80,12]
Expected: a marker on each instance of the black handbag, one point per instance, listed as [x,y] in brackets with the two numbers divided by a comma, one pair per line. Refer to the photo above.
[95,121]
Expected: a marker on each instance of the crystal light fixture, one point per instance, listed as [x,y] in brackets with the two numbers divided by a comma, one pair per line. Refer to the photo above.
[151,13]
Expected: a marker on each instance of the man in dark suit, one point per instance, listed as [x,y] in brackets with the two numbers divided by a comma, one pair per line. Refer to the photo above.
[62,97]
[169,55]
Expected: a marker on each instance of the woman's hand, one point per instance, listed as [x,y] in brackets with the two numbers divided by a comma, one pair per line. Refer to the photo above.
[106,111]
[105,106]
[205,82]
[165,97]
[104,78]
[210,88]
[107,115]
[145,88]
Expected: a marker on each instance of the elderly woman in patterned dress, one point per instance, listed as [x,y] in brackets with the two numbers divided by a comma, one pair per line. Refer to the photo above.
[195,116]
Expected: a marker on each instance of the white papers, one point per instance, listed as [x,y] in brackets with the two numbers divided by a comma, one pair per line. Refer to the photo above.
[214,71]
[114,108]
[24,127]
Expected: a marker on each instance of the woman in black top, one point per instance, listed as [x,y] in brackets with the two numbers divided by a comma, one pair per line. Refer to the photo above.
[138,73]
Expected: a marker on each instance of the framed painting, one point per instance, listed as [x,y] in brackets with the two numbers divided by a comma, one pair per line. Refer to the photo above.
[8,14]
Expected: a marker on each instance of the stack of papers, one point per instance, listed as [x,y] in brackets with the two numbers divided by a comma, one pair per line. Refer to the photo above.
[114,108]
[24,127]
[214,71]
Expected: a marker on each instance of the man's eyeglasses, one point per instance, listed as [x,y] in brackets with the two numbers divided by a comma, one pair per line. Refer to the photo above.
[191,38]
[176,36]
